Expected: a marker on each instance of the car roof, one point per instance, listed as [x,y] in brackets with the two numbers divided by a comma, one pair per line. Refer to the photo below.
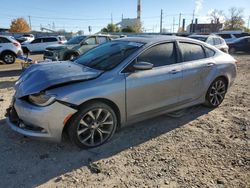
[203,36]
[154,39]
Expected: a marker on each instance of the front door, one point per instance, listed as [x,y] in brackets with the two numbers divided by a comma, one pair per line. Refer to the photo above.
[155,89]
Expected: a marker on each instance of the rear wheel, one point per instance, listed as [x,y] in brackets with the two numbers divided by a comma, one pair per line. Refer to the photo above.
[9,57]
[93,125]
[216,93]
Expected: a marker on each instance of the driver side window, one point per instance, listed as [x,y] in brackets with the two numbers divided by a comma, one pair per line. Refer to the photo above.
[159,55]
[91,41]
[36,41]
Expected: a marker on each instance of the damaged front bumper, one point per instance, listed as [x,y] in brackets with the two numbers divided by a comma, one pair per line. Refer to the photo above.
[40,122]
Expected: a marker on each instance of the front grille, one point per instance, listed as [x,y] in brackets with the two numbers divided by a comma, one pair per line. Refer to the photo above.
[48,53]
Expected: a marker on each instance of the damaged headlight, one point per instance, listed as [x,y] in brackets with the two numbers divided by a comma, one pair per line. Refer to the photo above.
[41,99]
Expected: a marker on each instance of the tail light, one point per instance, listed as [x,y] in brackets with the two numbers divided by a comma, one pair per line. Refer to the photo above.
[237,62]
[16,44]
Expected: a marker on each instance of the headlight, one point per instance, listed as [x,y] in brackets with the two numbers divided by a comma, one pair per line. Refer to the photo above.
[41,99]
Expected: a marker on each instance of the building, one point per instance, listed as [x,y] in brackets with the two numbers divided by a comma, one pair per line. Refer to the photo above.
[131,22]
[204,28]
[4,30]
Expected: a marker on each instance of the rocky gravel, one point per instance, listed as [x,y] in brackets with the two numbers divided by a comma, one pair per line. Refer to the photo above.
[201,148]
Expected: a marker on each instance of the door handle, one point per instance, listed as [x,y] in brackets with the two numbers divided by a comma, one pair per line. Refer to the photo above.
[174,71]
[210,64]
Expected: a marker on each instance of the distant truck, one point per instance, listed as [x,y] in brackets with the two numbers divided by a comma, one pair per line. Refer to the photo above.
[74,47]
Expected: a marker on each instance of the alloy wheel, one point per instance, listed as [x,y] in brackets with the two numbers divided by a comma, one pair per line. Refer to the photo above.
[95,127]
[8,58]
[217,92]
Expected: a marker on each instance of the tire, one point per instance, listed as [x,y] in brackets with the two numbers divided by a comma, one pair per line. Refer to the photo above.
[93,125]
[8,57]
[232,50]
[216,93]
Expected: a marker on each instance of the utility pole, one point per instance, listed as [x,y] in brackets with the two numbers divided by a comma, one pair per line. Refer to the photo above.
[161,21]
[30,23]
[192,30]
[111,18]
[179,25]
[248,26]
[173,24]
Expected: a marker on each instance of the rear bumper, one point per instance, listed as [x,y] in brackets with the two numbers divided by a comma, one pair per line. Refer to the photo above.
[40,122]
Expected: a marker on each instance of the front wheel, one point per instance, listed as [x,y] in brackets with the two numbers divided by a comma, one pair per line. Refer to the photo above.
[8,58]
[93,125]
[216,93]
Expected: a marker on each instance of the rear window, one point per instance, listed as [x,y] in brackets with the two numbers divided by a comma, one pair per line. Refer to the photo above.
[241,35]
[217,41]
[225,36]
[191,52]
[49,39]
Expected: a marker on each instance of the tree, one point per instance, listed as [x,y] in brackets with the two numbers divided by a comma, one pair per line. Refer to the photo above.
[111,28]
[136,28]
[216,16]
[19,25]
[128,29]
[235,19]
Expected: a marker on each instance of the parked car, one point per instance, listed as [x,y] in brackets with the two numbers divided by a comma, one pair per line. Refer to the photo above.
[117,83]
[214,40]
[240,45]
[40,44]
[9,49]
[74,47]
[26,38]
[230,36]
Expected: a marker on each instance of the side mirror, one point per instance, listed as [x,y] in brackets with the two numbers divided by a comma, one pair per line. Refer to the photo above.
[143,66]
[83,43]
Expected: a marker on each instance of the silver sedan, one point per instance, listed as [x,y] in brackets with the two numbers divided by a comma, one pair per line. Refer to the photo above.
[118,83]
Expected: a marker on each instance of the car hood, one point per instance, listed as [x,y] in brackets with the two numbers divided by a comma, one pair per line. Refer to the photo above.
[39,77]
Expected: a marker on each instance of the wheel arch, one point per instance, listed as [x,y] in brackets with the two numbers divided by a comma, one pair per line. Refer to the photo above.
[103,100]
[7,51]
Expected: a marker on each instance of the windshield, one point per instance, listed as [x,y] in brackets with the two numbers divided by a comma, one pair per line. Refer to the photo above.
[76,40]
[199,38]
[108,55]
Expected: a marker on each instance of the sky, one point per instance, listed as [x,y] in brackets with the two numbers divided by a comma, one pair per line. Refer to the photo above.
[74,15]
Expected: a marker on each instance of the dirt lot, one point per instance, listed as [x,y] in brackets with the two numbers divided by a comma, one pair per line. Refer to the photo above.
[203,148]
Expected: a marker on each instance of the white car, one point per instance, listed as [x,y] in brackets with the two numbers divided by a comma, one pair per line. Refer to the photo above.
[9,49]
[231,36]
[40,44]
[26,38]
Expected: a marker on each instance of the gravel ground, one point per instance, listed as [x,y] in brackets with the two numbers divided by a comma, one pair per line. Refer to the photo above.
[203,148]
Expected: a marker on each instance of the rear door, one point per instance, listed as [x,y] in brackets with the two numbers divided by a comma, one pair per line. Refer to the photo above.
[5,44]
[156,89]
[196,68]
[34,46]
